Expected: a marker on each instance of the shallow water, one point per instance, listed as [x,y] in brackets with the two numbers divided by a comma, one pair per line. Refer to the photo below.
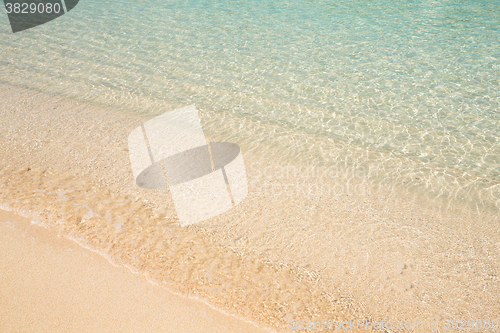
[402,97]
[417,81]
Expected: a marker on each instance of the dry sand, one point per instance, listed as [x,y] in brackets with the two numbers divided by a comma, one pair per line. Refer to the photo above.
[51,284]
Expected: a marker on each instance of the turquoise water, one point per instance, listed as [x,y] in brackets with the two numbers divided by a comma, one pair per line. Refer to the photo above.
[410,88]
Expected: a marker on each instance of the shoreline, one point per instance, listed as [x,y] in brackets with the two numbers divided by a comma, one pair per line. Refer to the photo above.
[359,251]
[51,283]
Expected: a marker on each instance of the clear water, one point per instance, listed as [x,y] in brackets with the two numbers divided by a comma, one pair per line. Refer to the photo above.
[405,93]
[416,82]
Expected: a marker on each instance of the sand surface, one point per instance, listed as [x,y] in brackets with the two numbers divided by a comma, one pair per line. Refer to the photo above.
[51,284]
[284,252]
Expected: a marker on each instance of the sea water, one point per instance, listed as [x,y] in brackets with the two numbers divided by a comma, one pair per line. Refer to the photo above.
[404,93]
[418,80]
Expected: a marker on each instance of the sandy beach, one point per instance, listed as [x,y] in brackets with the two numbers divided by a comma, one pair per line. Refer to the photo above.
[250,166]
[51,284]
[286,252]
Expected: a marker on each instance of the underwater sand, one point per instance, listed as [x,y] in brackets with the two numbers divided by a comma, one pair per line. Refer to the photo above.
[301,246]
